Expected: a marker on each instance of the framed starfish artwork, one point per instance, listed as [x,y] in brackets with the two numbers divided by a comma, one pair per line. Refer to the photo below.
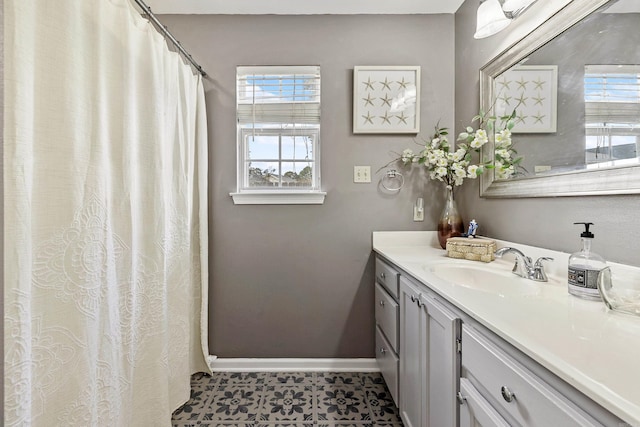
[532,91]
[386,99]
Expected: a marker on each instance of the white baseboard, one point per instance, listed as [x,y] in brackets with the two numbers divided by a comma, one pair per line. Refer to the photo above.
[291,365]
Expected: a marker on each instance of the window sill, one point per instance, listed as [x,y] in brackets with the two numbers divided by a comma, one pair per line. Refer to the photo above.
[279,198]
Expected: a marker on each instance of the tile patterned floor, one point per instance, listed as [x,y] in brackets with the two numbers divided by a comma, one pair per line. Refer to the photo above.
[271,399]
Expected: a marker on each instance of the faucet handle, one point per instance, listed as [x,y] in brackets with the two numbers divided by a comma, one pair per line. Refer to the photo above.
[539,275]
[542,258]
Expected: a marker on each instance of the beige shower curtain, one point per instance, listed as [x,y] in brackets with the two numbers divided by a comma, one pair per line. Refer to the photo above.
[105,165]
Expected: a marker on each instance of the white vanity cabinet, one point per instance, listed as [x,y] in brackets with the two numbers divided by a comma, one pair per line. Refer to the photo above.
[521,361]
[386,314]
[429,337]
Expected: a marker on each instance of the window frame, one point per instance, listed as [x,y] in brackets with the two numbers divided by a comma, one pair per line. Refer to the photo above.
[245,194]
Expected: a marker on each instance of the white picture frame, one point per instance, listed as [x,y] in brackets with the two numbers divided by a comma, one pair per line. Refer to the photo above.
[386,99]
[533,91]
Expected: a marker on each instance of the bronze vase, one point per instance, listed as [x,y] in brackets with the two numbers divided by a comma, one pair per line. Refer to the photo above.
[450,223]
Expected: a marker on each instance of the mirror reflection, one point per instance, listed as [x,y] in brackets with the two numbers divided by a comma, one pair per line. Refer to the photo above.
[577,98]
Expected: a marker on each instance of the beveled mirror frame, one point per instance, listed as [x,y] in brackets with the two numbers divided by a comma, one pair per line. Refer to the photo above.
[622,180]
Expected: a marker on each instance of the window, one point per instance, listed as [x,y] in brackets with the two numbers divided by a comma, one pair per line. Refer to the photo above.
[278,120]
[612,113]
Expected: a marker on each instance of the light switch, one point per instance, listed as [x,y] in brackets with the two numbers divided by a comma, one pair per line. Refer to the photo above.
[362,174]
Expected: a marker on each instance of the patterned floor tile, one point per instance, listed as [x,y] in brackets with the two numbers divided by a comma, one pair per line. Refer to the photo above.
[338,378]
[287,425]
[192,409]
[381,406]
[372,379]
[241,377]
[292,404]
[204,382]
[342,403]
[290,378]
[288,399]
[345,425]
[218,424]
[233,403]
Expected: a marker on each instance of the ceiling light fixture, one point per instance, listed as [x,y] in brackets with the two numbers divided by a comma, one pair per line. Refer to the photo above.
[490,20]
[494,17]
[516,5]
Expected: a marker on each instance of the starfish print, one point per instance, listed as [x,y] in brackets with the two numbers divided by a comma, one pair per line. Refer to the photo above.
[368,100]
[386,84]
[368,118]
[506,99]
[386,100]
[522,84]
[538,99]
[522,100]
[521,117]
[385,118]
[538,118]
[505,83]
[402,84]
[402,118]
[538,83]
[368,85]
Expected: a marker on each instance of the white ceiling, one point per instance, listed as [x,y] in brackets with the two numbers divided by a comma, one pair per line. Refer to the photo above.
[303,7]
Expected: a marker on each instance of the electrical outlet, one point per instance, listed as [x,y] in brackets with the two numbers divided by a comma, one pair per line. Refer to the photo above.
[418,210]
[362,174]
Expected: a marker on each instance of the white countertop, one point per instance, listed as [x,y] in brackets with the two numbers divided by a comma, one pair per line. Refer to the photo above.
[595,350]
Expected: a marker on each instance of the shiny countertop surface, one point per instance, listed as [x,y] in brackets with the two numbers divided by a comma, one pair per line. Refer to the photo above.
[595,350]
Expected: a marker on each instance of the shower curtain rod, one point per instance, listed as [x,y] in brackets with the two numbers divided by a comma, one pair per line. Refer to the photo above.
[165,31]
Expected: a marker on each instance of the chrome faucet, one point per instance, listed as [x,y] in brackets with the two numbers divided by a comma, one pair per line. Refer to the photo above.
[524,266]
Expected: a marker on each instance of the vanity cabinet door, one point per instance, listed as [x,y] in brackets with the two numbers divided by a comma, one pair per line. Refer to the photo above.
[429,361]
[413,376]
[443,334]
[475,411]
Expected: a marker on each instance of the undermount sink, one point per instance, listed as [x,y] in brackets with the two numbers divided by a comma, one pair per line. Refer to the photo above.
[485,279]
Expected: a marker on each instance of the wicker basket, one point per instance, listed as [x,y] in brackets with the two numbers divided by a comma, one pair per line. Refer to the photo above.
[471,249]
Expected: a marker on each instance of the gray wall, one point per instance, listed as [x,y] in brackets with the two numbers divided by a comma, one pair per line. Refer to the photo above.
[546,222]
[297,281]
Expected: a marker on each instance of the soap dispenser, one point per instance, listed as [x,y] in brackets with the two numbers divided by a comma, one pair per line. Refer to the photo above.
[584,267]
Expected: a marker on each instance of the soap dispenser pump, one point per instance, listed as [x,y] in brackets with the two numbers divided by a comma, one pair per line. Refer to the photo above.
[584,267]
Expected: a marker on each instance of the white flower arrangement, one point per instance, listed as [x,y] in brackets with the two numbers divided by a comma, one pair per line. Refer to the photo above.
[452,164]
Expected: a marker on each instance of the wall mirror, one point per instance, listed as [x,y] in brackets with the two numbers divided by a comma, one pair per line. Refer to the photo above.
[574,83]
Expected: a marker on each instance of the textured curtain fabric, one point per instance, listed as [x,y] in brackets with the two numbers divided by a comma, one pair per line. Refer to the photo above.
[105,218]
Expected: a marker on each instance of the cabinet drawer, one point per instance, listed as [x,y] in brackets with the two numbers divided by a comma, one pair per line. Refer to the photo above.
[388,277]
[475,410]
[513,389]
[388,363]
[387,316]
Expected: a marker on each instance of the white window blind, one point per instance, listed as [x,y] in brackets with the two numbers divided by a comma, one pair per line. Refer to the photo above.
[612,114]
[278,118]
[612,94]
[285,96]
